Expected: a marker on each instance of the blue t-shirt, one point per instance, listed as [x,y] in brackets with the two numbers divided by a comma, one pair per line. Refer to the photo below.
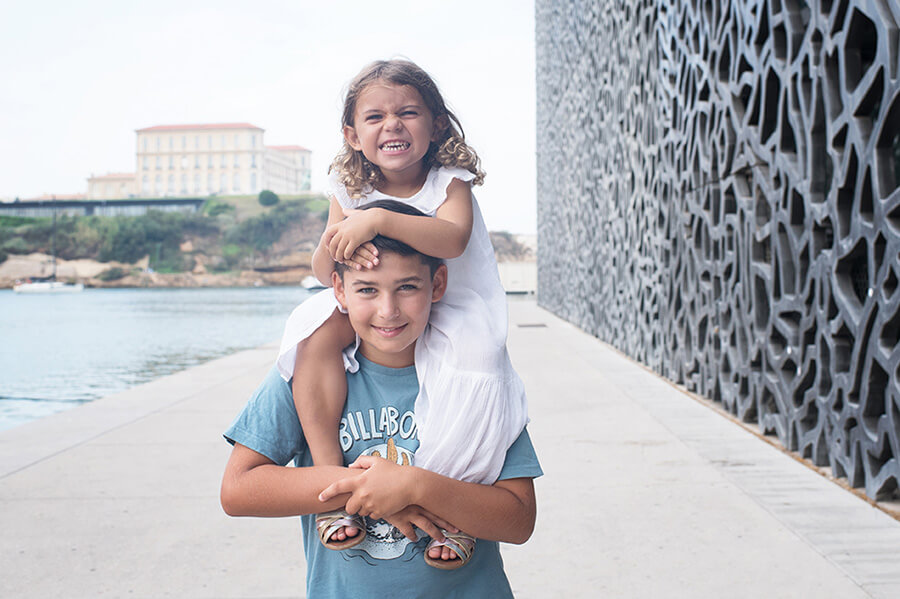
[378,420]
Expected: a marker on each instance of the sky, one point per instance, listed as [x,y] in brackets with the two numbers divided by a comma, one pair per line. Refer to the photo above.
[79,77]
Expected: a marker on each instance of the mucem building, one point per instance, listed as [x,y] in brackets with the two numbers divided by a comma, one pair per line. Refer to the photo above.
[719,198]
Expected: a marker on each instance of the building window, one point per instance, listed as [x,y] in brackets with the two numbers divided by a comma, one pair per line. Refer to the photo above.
[184,142]
[184,162]
[196,142]
[197,183]
[253,141]
[224,160]
[196,160]
[209,161]
[237,160]
[146,162]
[171,188]
[223,182]
[171,161]
[253,160]
[209,142]
[209,183]
[237,182]
[237,140]
[252,182]
[223,141]
[171,142]
[158,162]
[157,188]
[158,142]
[145,185]
[184,180]
[144,141]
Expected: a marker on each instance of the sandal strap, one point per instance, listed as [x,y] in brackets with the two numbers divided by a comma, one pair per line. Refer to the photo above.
[459,542]
[329,523]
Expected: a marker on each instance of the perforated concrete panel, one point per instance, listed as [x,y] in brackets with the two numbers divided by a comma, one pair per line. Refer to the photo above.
[719,198]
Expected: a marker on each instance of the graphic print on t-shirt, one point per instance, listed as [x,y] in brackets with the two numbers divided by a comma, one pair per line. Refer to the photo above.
[384,433]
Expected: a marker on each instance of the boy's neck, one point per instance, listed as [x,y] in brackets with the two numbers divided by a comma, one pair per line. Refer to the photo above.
[402,359]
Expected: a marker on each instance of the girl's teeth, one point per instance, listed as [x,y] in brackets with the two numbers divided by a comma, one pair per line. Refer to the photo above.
[399,145]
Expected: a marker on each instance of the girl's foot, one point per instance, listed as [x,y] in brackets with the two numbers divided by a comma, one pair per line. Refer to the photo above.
[453,552]
[339,530]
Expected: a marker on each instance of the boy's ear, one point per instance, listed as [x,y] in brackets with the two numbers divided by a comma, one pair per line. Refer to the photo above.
[352,138]
[337,283]
[439,283]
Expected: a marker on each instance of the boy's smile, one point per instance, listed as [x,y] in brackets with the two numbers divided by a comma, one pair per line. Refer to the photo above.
[389,305]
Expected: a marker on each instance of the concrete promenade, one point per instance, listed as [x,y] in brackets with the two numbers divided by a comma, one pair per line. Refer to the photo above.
[647,493]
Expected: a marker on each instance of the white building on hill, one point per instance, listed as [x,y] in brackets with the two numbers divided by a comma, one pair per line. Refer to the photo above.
[206,159]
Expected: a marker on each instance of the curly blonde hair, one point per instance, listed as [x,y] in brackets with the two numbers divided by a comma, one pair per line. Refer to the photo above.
[357,174]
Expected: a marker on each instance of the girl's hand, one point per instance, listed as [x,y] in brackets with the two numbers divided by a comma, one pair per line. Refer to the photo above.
[414,516]
[343,238]
[365,256]
[384,488]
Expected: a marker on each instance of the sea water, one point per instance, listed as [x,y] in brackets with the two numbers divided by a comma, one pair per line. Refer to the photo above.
[59,351]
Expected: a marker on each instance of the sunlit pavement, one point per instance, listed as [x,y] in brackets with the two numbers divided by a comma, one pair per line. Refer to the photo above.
[647,493]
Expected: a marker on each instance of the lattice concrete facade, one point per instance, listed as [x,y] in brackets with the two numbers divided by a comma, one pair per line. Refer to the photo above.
[719,198]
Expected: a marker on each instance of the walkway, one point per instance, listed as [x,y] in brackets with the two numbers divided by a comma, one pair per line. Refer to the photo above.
[647,492]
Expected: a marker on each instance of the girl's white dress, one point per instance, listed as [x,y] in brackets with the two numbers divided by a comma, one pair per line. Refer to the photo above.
[471,405]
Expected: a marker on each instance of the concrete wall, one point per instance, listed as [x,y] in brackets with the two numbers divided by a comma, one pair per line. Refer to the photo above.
[719,198]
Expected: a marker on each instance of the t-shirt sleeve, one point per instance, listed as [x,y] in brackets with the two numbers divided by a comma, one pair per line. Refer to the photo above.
[268,424]
[521,460]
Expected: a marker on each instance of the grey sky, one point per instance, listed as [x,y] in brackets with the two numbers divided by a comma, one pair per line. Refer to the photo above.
[80,77]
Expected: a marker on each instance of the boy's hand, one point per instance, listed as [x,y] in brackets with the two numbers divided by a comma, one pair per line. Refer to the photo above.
[343,238]
[384,488]
[414,516]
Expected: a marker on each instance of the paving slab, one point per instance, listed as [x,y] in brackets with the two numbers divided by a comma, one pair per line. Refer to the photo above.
[647,492]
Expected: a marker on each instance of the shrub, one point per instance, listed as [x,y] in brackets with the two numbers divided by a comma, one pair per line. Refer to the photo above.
[268,198]
[213,208]
[112,274]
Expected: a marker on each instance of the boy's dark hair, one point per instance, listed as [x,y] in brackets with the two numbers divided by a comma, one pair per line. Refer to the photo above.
[386,244]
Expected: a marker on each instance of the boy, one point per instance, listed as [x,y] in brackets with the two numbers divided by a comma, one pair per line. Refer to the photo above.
[388,307]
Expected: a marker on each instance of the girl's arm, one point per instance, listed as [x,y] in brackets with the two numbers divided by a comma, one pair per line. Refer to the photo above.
[444,236]
[504,511]
[323,260]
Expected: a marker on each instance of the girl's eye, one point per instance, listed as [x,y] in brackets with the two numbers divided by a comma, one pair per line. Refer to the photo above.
[372,118]
[409,113]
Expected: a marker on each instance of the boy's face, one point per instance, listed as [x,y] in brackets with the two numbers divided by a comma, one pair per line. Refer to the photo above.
[389,305]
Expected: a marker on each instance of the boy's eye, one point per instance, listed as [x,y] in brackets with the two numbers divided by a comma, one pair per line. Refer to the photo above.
[408,287]
[366,290]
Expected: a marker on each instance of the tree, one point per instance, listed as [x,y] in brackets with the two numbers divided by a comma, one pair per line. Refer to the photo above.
[268,198]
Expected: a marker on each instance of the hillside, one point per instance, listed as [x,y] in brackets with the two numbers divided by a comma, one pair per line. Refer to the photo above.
[234,241]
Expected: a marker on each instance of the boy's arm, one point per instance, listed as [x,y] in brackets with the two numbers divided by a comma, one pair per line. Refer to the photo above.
[253,485]
[444,236]
[504,511]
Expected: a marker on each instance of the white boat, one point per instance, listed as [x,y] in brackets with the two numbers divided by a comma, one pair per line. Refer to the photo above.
[48,287]
[312,283]
[49,284]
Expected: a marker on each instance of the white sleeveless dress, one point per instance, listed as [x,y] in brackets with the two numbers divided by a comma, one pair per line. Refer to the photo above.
[471,404]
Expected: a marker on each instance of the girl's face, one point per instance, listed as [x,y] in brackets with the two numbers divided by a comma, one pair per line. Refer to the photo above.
[393,129]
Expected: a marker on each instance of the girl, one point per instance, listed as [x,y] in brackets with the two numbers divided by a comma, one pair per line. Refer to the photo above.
[402,143]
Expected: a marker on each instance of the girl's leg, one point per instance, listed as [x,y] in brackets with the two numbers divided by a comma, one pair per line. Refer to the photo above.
[320,387]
